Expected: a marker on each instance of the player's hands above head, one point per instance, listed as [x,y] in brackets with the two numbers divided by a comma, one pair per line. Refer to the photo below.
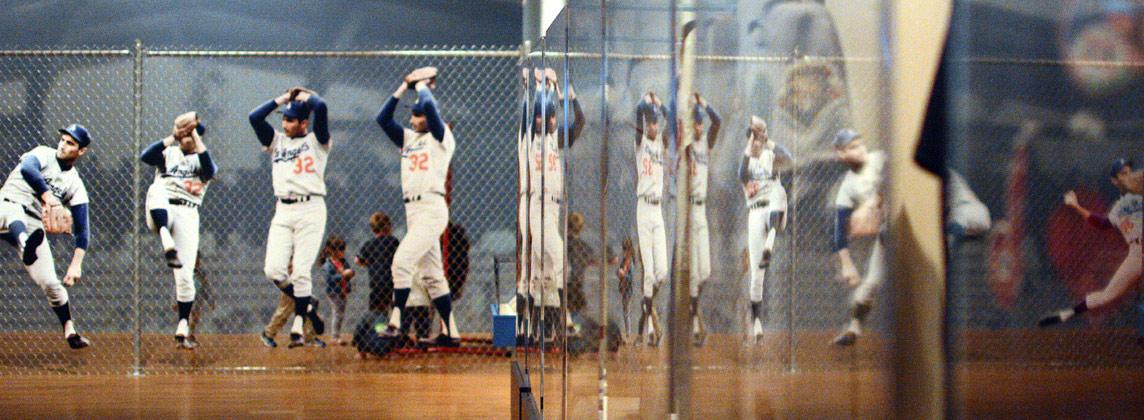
[299,93]
[1070,199]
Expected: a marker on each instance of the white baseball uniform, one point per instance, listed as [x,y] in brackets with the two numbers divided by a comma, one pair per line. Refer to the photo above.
[18,202]
[547,186]
[649,213]
[524,254]
[179,189]
[857,188]
[765,196]
[700,239]
[1127,215]
[298,167]
[424,168]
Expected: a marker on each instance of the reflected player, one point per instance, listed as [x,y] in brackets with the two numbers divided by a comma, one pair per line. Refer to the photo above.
[698,152]
[546,179]
[1126,215]
[32,203]
[766,209]
[859,214]
[650,153]
[183,168]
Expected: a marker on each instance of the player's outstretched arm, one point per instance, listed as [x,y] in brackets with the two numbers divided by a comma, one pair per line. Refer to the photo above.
[257,117]
[577,117]
[716,125]
[80,222]
[392,129]
[30,169]
[432,115]
[1097,220]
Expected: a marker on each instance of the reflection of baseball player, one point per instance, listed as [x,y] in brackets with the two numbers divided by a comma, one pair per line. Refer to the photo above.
[426,151]
[650,151]
[1126,214]
[524,196]
[32,198]
[183,167]
[298,160]
[968,217]
[546,179]
[859,214]
[766,206]
[697,153]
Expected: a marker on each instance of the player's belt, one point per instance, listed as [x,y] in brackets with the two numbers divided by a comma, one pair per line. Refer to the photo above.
[758,204]
[697,201]
[418,197]
[650,200]
[182,202]
[294,200]
[27,210]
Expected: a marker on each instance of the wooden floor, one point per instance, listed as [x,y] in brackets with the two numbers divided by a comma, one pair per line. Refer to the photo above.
[730,380]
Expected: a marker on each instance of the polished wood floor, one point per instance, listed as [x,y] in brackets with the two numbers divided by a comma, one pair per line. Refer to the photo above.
[731,379]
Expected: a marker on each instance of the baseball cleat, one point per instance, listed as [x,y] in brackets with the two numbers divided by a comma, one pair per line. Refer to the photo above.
[845,339]
[315,319]
[316,342]
[766,260]
[76,342]
[443,340]
[182,343]
[267,340]
[295,341]
[699,339]
[172,257]
[1053,319]
[34,240]
[391,331]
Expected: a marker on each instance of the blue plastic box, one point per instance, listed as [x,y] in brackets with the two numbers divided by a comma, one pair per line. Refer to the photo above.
[504,328]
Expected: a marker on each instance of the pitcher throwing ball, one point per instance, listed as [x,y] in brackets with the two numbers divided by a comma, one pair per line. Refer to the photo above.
[298,161]
[426,150]
[32,203]
[183,167]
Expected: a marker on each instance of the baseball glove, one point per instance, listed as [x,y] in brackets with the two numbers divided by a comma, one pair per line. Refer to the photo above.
[423,73]
[184,124]
[296,90]
[57,219]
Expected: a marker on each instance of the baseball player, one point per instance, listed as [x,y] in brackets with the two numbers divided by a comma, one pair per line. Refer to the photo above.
[426,151]
[31,204]
[858,207]
[766,207]
[1127,214]
[697,152]
[546,178]
[523,199]
[298,161]
[183,168]
[650,151]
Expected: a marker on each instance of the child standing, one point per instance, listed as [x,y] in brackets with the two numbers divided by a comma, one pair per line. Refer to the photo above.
[338,276]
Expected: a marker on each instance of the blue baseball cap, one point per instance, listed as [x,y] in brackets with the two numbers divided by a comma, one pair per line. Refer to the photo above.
[297,110]
[79,133]
[418,108]
[648,112]
[544,102]
[697,114]
[844,137]
[1119,164]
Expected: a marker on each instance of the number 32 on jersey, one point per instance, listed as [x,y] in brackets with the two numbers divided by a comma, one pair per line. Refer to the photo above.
[304,164]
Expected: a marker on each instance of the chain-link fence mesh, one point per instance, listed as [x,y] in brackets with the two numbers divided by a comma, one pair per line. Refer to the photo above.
[235,302]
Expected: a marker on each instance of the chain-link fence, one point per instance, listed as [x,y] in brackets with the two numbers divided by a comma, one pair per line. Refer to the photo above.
[125,303]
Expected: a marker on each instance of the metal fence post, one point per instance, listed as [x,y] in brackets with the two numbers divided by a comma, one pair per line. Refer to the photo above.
[136,137]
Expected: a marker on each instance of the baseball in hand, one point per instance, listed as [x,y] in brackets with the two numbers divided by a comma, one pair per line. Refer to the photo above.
[1070,199]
